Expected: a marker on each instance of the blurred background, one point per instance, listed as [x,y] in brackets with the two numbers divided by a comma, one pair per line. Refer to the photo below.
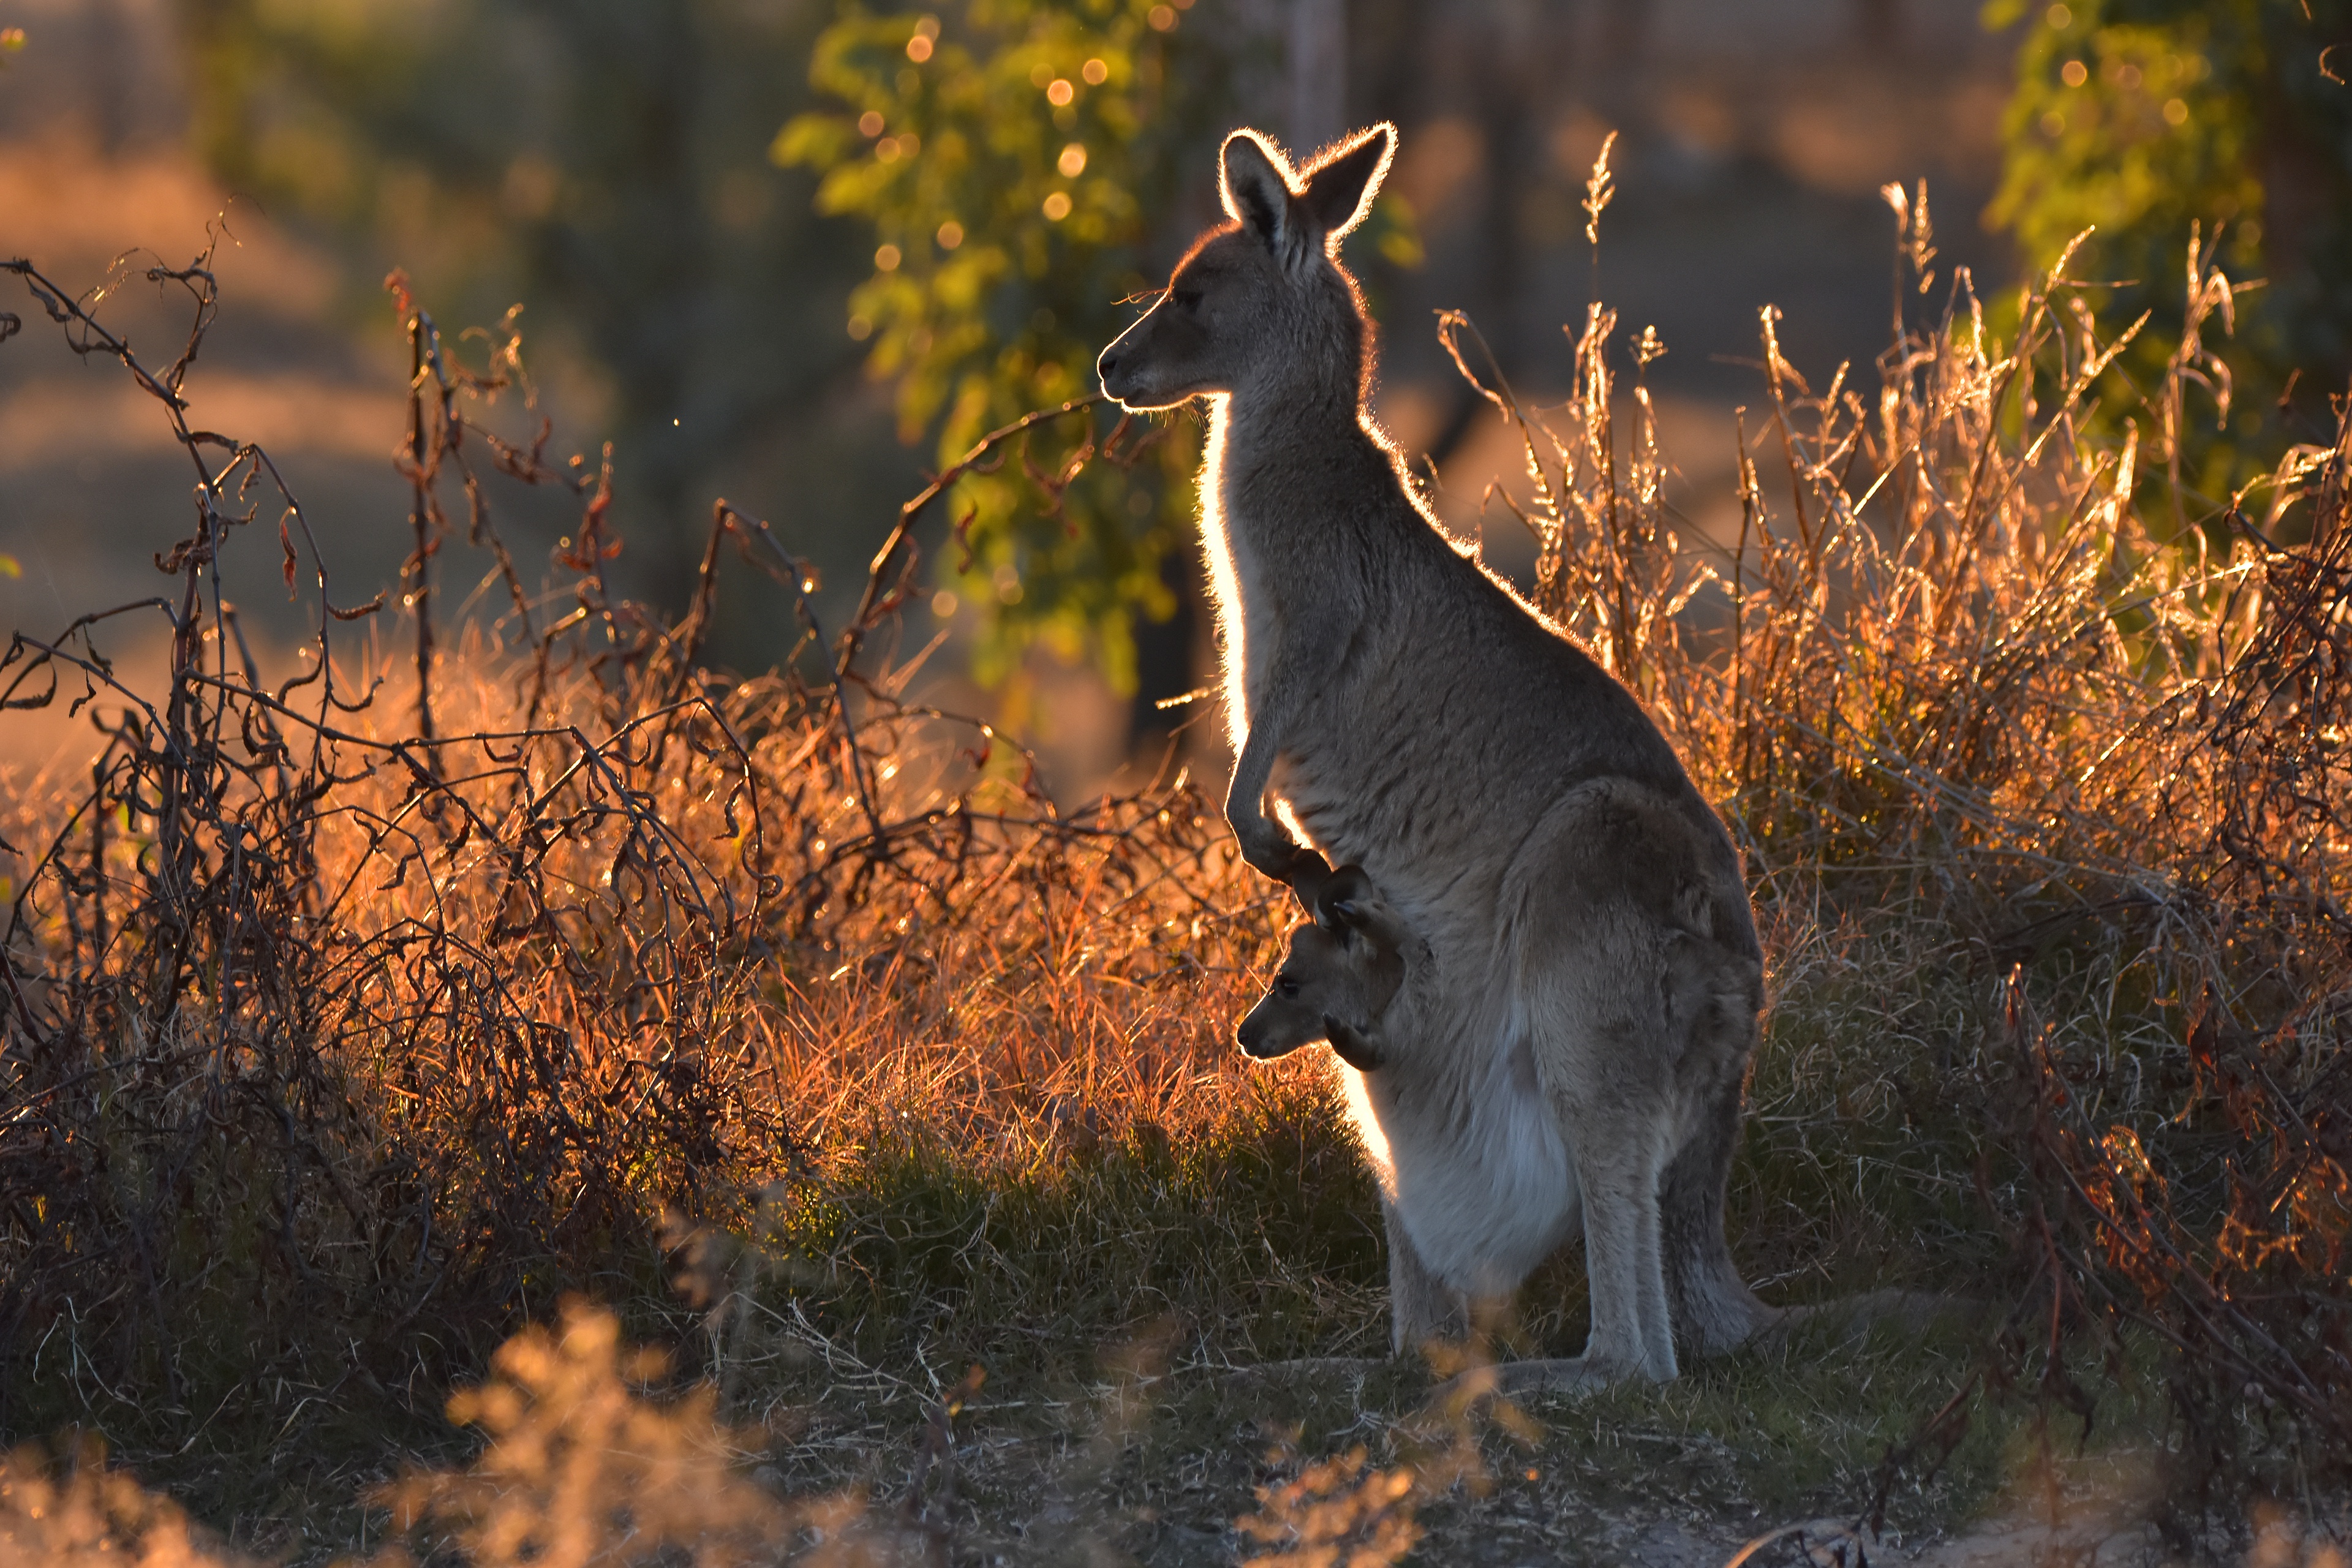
[798,253]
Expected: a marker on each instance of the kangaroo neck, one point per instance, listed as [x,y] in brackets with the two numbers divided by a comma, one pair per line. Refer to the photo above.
[1289,419]
[1286,455]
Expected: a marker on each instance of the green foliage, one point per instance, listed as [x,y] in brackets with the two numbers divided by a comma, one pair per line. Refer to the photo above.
[601,161]
[2143,118]
[1017,158]
[2139,126]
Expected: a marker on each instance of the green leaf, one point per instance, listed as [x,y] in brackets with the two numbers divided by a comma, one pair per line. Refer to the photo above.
[2146,117]
[1015,167]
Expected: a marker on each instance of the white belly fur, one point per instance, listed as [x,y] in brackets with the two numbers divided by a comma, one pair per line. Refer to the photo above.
[1482,1177]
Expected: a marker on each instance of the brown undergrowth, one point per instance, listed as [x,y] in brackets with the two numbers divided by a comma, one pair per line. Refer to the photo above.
[354,1020]
[1997,687]
[328,1011]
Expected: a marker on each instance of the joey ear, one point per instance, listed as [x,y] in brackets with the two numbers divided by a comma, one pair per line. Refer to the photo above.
[1340,917]
[1339,902]
[1255,185]
[1341,188]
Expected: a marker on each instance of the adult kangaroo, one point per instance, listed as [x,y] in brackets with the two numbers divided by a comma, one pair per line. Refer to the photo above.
[1592,957]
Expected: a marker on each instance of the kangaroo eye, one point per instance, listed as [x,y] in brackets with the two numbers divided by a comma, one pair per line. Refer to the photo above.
[1285,986]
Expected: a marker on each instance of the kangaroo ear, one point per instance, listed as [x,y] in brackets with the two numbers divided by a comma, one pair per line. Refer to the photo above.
[1341,188]
[1257,188]
[1339,902]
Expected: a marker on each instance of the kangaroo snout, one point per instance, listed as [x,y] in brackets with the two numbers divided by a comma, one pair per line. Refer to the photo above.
[1121,365]
[1261,1040]
[1154,363]
[1107,369]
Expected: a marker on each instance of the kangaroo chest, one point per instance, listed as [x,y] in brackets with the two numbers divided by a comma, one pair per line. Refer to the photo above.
[1414,750]
[1248,629]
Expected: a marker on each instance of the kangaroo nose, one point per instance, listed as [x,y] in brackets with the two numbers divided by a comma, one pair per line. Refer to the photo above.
[1107,365]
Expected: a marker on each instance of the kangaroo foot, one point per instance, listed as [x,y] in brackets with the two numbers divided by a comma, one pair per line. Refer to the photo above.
[1910,1312]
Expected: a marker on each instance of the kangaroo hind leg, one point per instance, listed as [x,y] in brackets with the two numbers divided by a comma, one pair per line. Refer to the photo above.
[1597,946]
[1632,1333]
[1619,1153]
[1602,1080]
[1715,999]
[1422,1307]
[1713,1307]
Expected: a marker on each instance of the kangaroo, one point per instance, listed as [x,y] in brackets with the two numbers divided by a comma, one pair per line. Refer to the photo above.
[1591,968]
[1337,981]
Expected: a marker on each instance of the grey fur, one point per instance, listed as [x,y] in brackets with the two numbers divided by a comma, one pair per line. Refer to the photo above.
[1344,968]
[1592,977]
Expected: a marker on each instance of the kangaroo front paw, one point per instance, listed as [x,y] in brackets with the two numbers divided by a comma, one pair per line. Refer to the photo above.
[1350,1046]
[1293,865]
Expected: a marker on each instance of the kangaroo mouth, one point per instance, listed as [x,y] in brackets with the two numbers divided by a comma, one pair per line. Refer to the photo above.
[1259,1049]
[1130,393]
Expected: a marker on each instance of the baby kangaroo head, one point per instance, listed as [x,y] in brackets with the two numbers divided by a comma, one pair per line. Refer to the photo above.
[1337,981]
[1263,295]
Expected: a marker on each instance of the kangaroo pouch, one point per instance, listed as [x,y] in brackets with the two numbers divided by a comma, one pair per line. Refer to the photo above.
[1484,1182]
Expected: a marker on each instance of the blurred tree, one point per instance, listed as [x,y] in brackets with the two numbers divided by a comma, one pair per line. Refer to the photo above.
[2146,116]
[601,160]
[1021,170]
[1015,159]
[1029,167]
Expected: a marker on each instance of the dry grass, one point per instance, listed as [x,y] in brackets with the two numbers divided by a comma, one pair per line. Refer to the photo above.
[354,1022]
[1989,697]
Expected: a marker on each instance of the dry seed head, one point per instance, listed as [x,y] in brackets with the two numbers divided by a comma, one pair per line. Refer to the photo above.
[1599,188]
